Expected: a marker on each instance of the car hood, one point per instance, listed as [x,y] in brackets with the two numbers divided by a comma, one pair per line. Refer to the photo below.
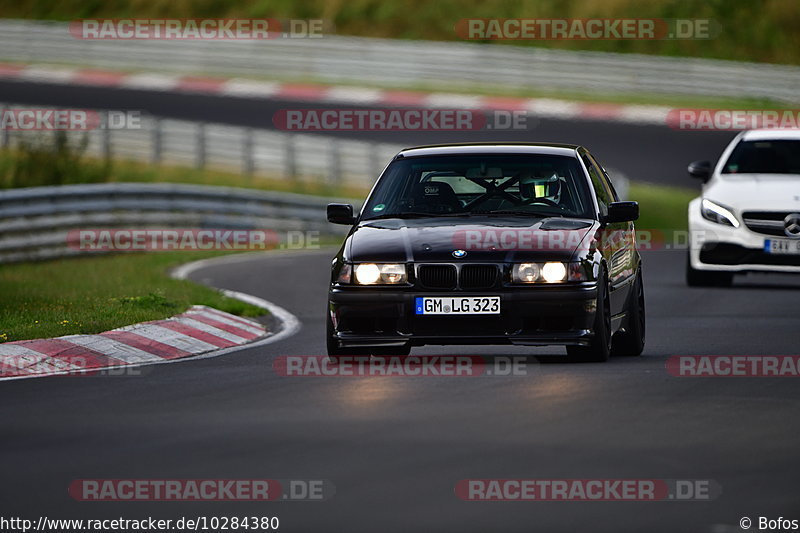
[483,239]
[756,192]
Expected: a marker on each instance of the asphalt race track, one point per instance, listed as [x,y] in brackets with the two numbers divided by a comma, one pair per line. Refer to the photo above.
[655,154]
[395,447]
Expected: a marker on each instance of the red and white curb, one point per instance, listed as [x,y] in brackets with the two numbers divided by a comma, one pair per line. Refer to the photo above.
[199,333]
[330,94]
[199,330]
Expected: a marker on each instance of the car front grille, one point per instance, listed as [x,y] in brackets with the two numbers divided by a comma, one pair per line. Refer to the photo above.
[765,222]
[448,277]
[723,253]
[478,276]
[437,276]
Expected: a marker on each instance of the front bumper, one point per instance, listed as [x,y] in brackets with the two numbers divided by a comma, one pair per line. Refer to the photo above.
[724,248]
[530,316]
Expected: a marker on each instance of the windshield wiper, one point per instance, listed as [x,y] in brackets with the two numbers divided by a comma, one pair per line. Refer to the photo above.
[412,214]
[516,212]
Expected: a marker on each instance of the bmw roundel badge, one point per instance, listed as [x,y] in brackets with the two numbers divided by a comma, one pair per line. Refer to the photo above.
[458,254]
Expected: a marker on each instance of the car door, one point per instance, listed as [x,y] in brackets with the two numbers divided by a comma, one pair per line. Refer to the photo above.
[618,248]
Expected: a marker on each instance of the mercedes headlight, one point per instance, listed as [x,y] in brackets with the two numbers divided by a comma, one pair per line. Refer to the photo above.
[717,213]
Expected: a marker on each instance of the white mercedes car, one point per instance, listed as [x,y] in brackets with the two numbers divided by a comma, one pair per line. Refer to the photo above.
[748,216]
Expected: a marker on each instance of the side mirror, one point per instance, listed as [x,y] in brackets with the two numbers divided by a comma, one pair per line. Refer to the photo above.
[700,170]
[622,212]
[341,214]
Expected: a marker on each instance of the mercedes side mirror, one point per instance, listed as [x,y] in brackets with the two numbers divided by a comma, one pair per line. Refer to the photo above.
[700,170]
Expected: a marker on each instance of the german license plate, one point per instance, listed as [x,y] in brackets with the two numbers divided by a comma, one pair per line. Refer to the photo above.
[782,246]
[457,305]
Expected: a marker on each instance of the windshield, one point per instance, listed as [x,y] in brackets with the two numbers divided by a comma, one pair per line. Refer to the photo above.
[764,157]
[522,185]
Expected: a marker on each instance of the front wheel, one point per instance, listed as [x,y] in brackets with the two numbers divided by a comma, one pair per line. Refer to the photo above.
[600,348]
[334,351]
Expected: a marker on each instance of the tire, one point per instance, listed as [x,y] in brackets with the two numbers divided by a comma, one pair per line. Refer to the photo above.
[600,348]
[334,351]
[706,278]
[631,341]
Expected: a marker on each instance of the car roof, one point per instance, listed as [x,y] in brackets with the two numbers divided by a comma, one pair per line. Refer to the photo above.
[490,148]
[776,134]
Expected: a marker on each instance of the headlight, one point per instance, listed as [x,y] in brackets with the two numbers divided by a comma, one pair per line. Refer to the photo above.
[551,272]
[554,272]
[380,274]
[717,213]
[525,273]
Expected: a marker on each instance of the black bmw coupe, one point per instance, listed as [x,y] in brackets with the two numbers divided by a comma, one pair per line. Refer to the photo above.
[524,244]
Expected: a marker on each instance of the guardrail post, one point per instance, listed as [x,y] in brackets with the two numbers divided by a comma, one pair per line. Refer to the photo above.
[335,175]
[374,164]
[157,141]
[106,142]
[200,162]
[289,160]
[4,138]
[248,161]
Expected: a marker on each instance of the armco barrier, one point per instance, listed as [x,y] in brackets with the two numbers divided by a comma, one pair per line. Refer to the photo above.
[35,221]
[250,151]
[402,63]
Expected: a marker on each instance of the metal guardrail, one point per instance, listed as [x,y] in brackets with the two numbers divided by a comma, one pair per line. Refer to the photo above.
[249,151]
[399,63]
[35,221]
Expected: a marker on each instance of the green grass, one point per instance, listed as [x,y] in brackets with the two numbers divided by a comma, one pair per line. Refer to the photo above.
[95,294]
[661,208]
[764,30]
